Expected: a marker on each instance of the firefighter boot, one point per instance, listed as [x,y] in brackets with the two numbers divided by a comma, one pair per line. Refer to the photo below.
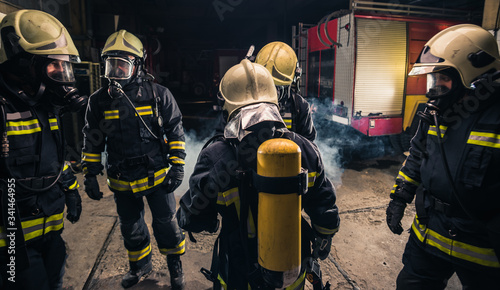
[133,276]
[175,268]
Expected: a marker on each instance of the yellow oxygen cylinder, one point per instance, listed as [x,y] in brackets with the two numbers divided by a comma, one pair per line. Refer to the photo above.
[279,214]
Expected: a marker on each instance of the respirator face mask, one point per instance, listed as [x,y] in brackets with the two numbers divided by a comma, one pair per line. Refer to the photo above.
[119,70]
[60,80]
[438,85]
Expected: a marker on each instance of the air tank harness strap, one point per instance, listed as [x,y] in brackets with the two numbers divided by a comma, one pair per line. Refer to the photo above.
[37,182]
[213,273]
[281,185]
[423,217]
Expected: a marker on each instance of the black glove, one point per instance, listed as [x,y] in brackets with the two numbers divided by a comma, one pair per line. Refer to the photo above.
[394,214]
[74,205]
[92,187]
[321,246]
[174,177]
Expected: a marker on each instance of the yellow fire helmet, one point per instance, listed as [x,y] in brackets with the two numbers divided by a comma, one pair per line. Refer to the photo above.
[35,32]
[468,48]
[280,59]
[123,41]
[247,83]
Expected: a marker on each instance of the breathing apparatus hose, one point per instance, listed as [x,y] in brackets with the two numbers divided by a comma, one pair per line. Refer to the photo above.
[136,112]
[447,168]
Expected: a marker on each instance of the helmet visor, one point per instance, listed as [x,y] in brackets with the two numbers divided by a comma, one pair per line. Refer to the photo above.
[427,57]
[60,71]
[118,68]
[438,85]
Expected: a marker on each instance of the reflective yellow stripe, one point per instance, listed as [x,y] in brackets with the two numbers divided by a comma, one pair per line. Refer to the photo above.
[144,111]
[91,157]
[177,145]
[229,197]
[135,256]
[74,185]
[288,123]
[401,175]
[3,237]
[481,256]
[53,124]
[299,283]
[433,130]
[484,139]
[311,178]
[222,283]
[394,188]
[23,127]
[178,250]
[325,231]
[36,228]
[137,185]
[113,114]
[177,160]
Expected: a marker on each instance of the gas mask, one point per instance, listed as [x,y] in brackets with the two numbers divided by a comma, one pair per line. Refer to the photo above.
[120,69]
[444,88]
[60,81]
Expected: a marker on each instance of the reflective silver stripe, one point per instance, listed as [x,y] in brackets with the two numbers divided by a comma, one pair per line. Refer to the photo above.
[433,130]
[180,249]
[484,139]
[146,110]
[177,145]
[113,114]
[18,115]
[91,157]
[228,197]
[53,124]
[135,256]
[177,160]
[23,127]
[454,248]
[311,178]
[137,185]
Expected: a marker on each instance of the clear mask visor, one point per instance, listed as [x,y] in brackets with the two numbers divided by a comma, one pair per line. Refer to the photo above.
[118,68]
[60,71]
[438,84]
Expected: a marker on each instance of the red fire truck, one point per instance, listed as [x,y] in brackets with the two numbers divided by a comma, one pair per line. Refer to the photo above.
[360,59]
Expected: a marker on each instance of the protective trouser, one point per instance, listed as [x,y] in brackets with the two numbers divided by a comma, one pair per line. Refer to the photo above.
[47,259]
[135,232]
[425,271]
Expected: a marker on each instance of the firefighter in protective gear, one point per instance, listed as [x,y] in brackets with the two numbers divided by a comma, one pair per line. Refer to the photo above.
[36,52]
[129,119]
[451,170]
[280,59]
[220,182]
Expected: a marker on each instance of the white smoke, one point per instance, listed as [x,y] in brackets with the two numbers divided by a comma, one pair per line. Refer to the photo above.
[194,144]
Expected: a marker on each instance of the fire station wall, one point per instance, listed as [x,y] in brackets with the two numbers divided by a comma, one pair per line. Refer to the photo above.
[380,67]
[344,67]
